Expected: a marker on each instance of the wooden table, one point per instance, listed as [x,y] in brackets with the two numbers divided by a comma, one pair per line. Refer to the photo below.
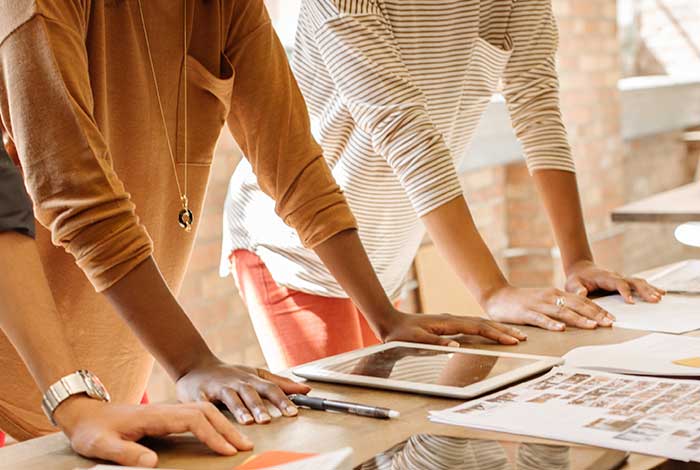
[677,205]
[315,431]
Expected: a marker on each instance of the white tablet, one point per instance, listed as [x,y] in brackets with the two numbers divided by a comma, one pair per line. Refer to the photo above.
[427,369]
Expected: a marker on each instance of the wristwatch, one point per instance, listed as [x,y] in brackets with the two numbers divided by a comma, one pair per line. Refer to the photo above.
[79,382]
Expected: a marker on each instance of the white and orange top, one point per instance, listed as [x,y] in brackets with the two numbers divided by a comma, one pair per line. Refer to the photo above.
[395,89]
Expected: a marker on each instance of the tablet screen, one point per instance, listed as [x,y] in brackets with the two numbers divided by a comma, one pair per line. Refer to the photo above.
[427,366]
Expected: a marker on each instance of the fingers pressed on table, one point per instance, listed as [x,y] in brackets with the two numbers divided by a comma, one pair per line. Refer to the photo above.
[276,396]
[113,448]
[572,318]
[544,321]
[254,403]
[495,334]
[469,325]
[510,330]
[233,402]
[645,290]
[194,420]
[625,290]
[589,309]
[224,427]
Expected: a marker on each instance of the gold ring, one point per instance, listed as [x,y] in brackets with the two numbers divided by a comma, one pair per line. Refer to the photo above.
[560,302]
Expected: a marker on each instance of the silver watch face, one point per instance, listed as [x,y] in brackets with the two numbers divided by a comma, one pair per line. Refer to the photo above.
[95,388]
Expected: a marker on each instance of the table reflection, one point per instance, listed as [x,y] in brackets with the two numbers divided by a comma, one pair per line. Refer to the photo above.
[426,366]
[425,451]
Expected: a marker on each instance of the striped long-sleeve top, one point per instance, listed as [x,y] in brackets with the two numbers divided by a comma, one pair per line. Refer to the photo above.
[395,90]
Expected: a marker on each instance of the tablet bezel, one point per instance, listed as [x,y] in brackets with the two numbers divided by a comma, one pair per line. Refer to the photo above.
[317,370]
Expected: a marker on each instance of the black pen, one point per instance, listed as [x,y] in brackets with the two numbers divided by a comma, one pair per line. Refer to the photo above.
[324,404]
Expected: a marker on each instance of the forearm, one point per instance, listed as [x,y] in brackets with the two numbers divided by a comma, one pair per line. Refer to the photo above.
[28,314]
[559,193]
[456,237]
[346,259]
[148,306]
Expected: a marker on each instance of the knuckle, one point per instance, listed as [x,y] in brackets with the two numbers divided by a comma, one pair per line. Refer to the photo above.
[203,405]
[246,388]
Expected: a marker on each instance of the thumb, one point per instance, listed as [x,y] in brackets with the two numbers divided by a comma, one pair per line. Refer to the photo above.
[576,286]
[287,385]
[430,338]
[124,452]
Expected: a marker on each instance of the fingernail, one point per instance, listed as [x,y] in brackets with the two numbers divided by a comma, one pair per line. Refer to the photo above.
[263,416]
[557,326]
[230,449]
[291,410]
[453,344]
[147,460]
[246,441]
[606,321]
[581,292]
[591,323]
[245,417]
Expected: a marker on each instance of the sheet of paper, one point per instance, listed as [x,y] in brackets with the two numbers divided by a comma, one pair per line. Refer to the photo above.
[646,415]
[683,276]
[340,459]
[674,314]
[654,354]
[271,458]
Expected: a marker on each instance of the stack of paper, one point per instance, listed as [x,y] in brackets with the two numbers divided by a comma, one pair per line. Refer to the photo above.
[655,354]
[683,277]
[674,314]
[635,414]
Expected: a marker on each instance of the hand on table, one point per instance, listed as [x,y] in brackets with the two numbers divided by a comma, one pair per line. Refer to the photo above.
[585,276]
[423,328]
[242,389]
[109,431]
[538,307]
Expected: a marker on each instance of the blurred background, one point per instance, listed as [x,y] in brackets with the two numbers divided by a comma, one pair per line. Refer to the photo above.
[630,94]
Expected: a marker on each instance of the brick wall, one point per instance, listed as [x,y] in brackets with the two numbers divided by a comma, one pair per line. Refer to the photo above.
[502,199]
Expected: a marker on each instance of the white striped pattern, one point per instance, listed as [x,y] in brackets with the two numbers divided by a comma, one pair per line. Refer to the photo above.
[434,452]
[395,89]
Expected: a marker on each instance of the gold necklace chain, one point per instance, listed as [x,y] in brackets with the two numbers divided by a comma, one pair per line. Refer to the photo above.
[185,217]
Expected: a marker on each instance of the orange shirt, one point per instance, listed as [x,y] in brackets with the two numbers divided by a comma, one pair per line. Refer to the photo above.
[78,99]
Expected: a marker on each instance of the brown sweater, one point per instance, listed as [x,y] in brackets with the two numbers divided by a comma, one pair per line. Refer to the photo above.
[77,98]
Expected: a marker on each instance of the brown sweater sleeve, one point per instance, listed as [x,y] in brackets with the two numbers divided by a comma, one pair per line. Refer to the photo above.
[46,105]
[270,122]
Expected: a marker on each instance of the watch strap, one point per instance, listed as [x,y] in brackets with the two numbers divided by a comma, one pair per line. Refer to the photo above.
[76,383]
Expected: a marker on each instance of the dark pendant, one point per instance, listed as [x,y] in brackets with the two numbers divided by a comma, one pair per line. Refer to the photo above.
[185,219]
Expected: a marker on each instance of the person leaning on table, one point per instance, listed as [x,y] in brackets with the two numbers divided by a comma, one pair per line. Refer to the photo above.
[36,329]
[92,96]
[396,89]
